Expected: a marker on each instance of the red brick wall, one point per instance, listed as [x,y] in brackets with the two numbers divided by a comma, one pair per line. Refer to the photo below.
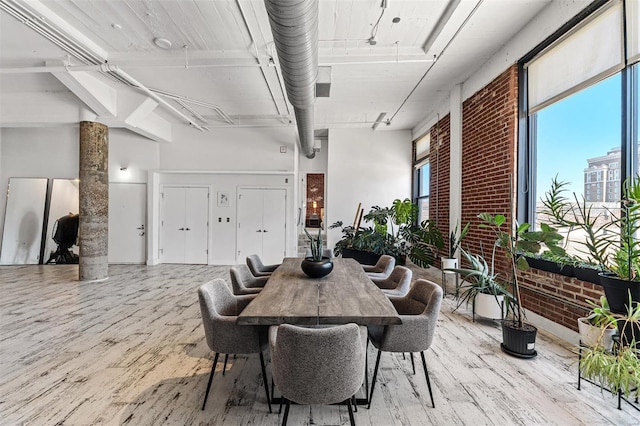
[489,135]
[489,153]
[439,182]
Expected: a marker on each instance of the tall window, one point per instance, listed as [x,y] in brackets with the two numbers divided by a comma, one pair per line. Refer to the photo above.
[581,95]
[422,176]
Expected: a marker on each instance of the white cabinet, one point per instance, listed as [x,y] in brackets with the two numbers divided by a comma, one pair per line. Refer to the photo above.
[262,224]
[185,225]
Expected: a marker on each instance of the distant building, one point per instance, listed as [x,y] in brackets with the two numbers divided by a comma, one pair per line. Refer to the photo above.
[602,177]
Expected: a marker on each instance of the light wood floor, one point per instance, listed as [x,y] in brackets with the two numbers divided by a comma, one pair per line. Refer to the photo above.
[131,351]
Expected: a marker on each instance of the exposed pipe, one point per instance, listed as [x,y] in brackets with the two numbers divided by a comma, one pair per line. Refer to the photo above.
[140,86]
[294,24]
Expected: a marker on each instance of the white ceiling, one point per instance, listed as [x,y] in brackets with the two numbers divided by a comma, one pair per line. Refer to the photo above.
[221,49]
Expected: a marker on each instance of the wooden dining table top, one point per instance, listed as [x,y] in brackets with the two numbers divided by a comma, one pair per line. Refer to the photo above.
[345,295]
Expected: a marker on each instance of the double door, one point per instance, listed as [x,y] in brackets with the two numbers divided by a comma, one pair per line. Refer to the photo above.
[262,224]
[185,225]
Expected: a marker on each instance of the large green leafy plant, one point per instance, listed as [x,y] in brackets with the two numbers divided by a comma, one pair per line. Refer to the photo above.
[515,240]
[395,231]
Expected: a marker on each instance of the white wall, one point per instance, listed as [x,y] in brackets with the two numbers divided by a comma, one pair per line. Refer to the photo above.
[229,149]
[365,166]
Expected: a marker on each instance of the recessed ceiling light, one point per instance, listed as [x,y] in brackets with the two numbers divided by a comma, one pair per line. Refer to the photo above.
[162,43]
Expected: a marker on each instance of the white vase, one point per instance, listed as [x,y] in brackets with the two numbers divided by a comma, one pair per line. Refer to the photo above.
[489,306]
[589,334]
[448,263]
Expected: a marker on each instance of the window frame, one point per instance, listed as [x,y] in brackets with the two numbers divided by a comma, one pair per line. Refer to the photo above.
[527,125]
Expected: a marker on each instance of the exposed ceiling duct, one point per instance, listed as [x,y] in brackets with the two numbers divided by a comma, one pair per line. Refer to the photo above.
[294,24]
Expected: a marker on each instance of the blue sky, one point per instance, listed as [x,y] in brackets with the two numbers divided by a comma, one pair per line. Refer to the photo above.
[582,126]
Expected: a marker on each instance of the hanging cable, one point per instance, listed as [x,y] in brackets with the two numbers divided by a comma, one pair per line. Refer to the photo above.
[436,59]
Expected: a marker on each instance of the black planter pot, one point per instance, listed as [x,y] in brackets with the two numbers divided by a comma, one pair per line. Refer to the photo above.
[617,292]
[317,268]
[589,275]
[362,257]
[519,342]
[549,266]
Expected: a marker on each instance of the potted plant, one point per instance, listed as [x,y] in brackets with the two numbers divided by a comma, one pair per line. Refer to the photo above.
[617,369]
[518,337]
[598,328]
[395,232]
[578,215]
[316,266]
[451,261]
[481,287]
[622,284]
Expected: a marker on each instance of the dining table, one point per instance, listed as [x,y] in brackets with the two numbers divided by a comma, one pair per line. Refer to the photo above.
[345,295]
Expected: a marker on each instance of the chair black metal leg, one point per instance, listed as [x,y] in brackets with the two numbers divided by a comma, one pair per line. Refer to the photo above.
[352,421]
[426,373]
[413,364]
[224,367]
[366,371]
[355,403]
[286,413]
[264,380]
[375,374]
[213,370]
[280,409]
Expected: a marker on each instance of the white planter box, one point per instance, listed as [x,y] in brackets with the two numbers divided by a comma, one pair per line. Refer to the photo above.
[589,334]
[489,306]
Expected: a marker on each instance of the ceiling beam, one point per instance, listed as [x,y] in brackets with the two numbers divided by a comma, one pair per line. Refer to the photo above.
[97,95]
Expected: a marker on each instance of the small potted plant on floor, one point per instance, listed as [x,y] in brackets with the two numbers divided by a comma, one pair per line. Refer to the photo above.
[316,266]
[481,287]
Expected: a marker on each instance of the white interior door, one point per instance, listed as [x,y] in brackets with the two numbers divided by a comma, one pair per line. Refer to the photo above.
[127,222]
[173,218]
[273,226]
[250,205]
[196,225]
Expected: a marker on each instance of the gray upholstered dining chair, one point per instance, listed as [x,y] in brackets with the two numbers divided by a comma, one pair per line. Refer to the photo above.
[259,269]
[325,253]
[220,310]
[243,281]
[382,269]
[323,365]
[418,311]
[398,282]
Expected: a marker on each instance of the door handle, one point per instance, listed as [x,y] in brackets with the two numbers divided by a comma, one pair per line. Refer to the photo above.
[188,229]
[259,230]
[265,230]
[141,227]
[180,229]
